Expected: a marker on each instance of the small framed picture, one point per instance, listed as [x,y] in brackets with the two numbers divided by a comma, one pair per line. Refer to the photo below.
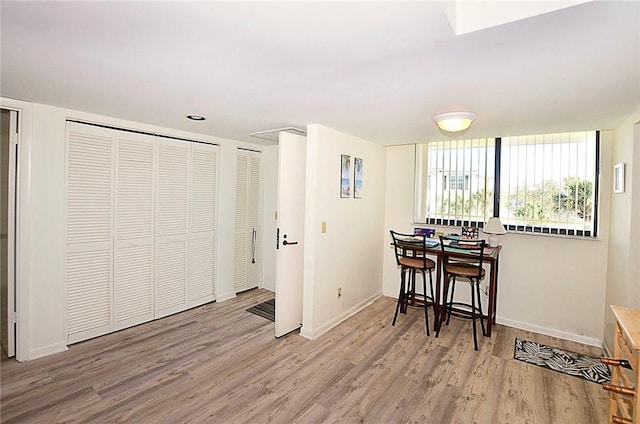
[345,176]
[357,178]
[618,178]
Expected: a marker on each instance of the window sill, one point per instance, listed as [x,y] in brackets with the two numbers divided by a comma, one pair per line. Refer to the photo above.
[456,230]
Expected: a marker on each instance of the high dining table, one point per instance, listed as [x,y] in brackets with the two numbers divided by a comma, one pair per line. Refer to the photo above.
[491,257]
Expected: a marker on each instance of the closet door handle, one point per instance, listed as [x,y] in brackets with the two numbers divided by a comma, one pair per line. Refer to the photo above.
[254,236]
[284,243]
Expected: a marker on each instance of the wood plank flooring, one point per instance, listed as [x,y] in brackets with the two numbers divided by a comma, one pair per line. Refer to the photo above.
[220,364]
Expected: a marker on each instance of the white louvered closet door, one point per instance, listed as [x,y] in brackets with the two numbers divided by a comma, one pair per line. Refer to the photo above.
[89,182]
[134,230]
[254,221]
[248,238]
[241,253]
[204,206]
[172,206]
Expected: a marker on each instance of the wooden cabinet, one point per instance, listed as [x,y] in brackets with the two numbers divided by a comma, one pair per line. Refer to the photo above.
[624,397]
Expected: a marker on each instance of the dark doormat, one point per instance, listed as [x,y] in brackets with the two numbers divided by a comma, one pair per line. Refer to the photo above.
[564,361]
[265,309]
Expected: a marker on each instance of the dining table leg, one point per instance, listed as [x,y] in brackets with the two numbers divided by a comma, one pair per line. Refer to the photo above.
[436,296]
[493,281]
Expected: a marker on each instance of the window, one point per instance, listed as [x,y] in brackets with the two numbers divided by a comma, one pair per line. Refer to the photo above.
[547,183]
[537,183]
[456,184]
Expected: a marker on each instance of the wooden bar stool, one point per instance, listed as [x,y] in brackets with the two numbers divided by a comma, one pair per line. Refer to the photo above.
[411,257]
[462,259]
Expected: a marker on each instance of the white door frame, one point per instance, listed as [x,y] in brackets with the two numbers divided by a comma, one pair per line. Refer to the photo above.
[9,183]
[23,213]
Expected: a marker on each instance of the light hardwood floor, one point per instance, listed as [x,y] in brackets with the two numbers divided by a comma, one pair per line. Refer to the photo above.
[221,364]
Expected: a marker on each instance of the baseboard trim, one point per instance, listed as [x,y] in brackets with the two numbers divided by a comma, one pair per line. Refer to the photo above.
[551,332]
[306,333]
[47,350]
[317,332]
[225,296]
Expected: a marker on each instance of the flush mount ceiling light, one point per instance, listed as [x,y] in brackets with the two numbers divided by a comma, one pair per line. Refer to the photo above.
[196,117]
[454,122]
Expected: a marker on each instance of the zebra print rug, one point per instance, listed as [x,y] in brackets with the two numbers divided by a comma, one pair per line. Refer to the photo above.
[553,358]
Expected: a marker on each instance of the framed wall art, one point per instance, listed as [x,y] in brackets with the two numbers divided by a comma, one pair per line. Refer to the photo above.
[618,178]
[357,178]
[345,176]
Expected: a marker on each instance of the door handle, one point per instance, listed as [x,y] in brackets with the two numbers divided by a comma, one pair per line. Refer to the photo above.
[284,243]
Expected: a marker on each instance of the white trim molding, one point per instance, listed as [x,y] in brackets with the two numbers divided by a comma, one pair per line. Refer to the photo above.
[23,224]
[43,351]
[312,334]
[225,296]
[591,341]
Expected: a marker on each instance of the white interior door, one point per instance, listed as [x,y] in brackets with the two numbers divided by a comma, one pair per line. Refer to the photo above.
[8,183]
[290,243]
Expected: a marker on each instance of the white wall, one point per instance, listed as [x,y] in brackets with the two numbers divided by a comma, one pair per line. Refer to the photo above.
[43,284]
[623,272]
[349,254]
[46,320]
[634,247]
[551,285]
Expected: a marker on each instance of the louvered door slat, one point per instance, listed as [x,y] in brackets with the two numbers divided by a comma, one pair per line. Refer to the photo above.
[202,237]
[134,231]
[171,227]
[88,264]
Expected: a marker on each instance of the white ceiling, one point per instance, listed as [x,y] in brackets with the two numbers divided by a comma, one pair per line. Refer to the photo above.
[378,70]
